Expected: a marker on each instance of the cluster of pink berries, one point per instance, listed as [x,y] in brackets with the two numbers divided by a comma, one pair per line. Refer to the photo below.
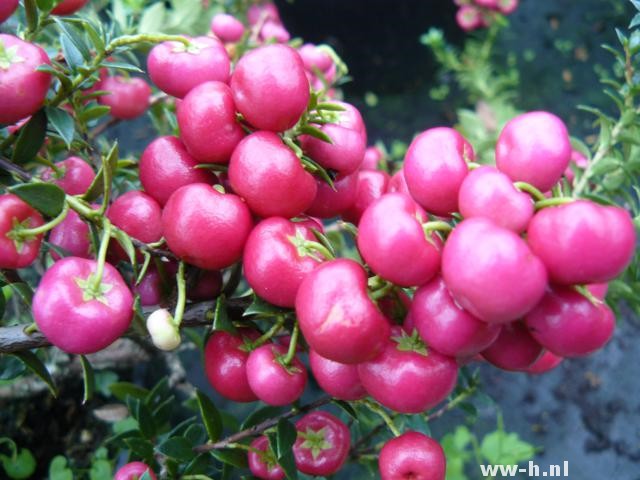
[475,14]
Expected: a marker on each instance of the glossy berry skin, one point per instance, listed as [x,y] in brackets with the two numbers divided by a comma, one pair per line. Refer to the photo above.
[270,177]
[350,117]
[487,192]
[398,183]
[547,362]
[71,235]
[469,18]
[227,27]
[372,184]
[225,364]
[263,465]
[392,220]
[322,445]
[75,175]
[412,456]
[491,272]
[68,7]
[372,157]
[176,68]
[16,253]
[275,262]
[128,98]
[344,154]
[208,286]
[514,349]
[336,315]
[270,380]
[22,88]
[205,227]
[314,58]
[407,380]
[331,203]
[150,288]
[138,215]
[535,148]
[7,8]
[165,166]
[133,471]
[260,12]
[207,121]
[435,166]
[446,327]
[337,379]
[589,243]
[569,325]
[274,31]
[270,88]
[71,316]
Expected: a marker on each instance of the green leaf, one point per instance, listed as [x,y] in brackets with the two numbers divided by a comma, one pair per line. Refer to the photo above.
[210,416]
[62,122]
[88,378]
[282,443]
[69,31]
[178,448]
[100,470]
[122,390]
[34,364]
[127,245]
[93,112]
[129,67]
[153,19]
[72,55]
[21,466]
[235,458]
[141,413]
[47,198]
[258,416]
[262,308]
[504,448]
[110,162]
[45,5]
[31,138]
[455,446]
[31,12]
[331,107]
[3,303]
[140,447]
[58,469]
[347,408]
[316,132]
[10,368]
[221,321]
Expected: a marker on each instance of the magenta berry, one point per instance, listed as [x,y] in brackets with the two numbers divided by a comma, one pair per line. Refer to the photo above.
[74,175]
[128,97]
[412,455]
[514,349]
[15,215]
[323,443]
[227,27]
[337,379]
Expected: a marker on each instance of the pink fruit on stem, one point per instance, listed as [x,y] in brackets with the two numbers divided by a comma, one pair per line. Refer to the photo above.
[134,471]
[262,461]
[72,236]
[75,313]
[314,58]
[16,214]
[74,175]
[344,154]
[535,148]
[547,362]
[205,227]
[270,88]
[492,4]
[412,455]
[23,89]
[435,166]
[225,364]
[322,445]
[128,97]
[336,315]
[68,7]
[227,27]
[274,31]
[507,7]
[515,349]
[406,377]
[331,202]
[491,272]
[276,260]
[570,325]
[337,379]
[207,121]
[372,157]
[372,184]
[487,192]
[261,12]
[469,17]
[445,326]
[395,219]
[273,382]
[149,288]
[177,68]
[583,242]
[165,166]
[269,176]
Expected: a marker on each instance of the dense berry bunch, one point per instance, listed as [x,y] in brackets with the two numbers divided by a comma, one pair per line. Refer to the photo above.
[475,14]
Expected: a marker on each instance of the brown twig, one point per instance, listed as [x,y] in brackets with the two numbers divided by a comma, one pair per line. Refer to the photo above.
[261,427]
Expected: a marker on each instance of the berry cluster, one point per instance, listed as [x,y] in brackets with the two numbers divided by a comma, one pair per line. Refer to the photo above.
[476,14]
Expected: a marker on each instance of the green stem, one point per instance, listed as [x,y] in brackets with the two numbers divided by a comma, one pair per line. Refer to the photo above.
[83,209]
[102,254]
[553,202]
[531,190]
[437,225]
[293,344]
[182,296]
[378,410]
[269,334]
[473,165]
[31,328]
[242,446]
[318,247]
[27,232]
[381,292]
